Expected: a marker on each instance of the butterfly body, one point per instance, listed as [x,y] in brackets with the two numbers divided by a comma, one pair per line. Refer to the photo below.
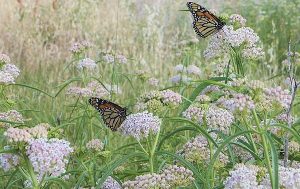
[112,114]
[205,23]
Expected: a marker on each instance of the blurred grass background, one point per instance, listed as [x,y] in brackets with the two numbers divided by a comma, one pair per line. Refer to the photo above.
[153,34]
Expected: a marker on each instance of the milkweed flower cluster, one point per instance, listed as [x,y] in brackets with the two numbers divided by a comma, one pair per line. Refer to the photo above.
[8,160]
[93,89]
[26,134]
[185,74]
[242,176]
[280,96]
[170,97]
[218,118]
[8,72]
[237,19]
[121,59]
[197,150]
[170,177]
[12,116]
[86,63]
[80,47]
[195,113]
[153,81]
[228,37]
[95,144]
[48,157]
[4,59]
[140,125]
[238,102]
[289,178]
[111,183]
[155,101]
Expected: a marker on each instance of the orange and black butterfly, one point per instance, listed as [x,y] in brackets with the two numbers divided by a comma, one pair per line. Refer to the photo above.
[112,114]
[205,23]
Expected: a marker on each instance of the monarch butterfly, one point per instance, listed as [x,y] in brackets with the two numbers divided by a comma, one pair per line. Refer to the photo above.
[205,23]
[112,114]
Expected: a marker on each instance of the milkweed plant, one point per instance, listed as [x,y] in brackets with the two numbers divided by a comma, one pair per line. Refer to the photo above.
[210,125]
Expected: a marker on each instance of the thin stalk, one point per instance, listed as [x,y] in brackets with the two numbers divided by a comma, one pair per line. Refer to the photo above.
[265,146]
[152,152]
[250,135]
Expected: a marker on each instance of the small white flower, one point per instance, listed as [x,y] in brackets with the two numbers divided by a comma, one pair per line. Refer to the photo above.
[192,69]
[179,68]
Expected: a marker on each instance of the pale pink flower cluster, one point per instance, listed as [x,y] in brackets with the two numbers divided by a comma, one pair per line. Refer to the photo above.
[8,160]
[170,177]
[4,59]
[277,94]
[255,84]
[153,81]
[86,63]
[17,135]
[184,73]
[48,157]
[140,125]
[194,113]
[202,98]
[25,134]
[78,91]
[283,117]
[79,47]
[95,144]
[93,89]
[11,115]
[243,177]
[210,89]
[8,72]
[197,150]
[121,59]
[289,178]
[220,43]
[108,58]
[239,102]
[171,97]
[111,183]
[218,118]
[236,18]
[39,131]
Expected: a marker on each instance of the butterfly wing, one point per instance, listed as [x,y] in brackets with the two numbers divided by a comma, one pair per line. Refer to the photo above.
[205,23]
[112,114]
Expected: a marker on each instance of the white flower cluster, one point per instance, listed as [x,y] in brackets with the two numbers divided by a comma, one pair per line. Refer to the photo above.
[8,72]
[80,47]
[194,113]
[140,125]
[218,118]
[121,59]
[277,94]
[197,150]
[86,63]
[242,177]
[94,89]
[12,116]
[95,144]
[26,134]
[111,183]
[289,178]
[8,161]
[228,37]
[48,157]
[170,177]
[239,102]
[184,74]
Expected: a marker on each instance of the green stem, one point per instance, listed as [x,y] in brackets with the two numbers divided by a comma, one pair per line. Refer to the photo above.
[250,135]
[152,152]
[265,146]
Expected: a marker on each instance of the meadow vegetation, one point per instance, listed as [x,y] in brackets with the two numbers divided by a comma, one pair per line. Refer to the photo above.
[220,112]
